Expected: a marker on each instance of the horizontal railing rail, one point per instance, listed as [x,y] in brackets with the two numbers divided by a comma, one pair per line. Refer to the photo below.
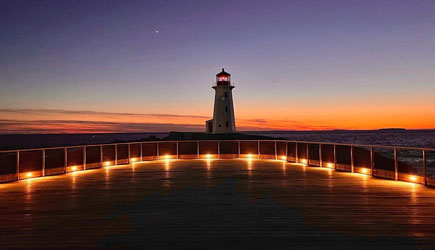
[412,164]
[278,140]
[363,145]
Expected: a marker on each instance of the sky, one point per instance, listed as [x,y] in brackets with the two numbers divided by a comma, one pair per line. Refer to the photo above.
[148,66]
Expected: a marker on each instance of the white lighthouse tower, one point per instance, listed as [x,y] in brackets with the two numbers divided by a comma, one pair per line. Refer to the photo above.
[223,115]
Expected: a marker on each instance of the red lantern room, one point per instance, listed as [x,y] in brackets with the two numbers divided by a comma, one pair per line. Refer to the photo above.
[223,78]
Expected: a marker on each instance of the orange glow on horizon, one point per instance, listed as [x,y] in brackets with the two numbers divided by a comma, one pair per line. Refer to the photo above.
[311,115]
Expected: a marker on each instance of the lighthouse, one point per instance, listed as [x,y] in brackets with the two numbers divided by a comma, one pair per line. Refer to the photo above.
[223,114]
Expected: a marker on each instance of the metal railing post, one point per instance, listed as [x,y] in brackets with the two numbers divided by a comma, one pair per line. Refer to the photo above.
[396,165]
[424,167]
[219,149]
[238,148]
[84,158]
[43,162]
[129,154]
[352,164]
[65,159]
[177,149]
[276,153]
[372,161]
[157,151]
[308,154]
[197,149]
[296,152]
[286,151]
[258,149]
[17,165]
[335,157]
[320,156]
[141,154]
[116,154]
[101,155]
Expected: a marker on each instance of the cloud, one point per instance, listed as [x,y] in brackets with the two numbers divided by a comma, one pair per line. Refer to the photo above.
[84,121]
[63,126]
[271,124]
[95,113]
[79,121]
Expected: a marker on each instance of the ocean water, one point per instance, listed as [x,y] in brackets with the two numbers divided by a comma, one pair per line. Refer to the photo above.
[406,138]
[21,141]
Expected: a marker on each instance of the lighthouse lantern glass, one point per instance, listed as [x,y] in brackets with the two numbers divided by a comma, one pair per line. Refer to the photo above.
[223,78]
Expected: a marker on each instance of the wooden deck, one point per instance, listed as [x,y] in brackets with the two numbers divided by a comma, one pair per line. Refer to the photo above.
[217,204]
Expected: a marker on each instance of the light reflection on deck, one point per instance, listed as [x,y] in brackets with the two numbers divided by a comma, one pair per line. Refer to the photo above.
[247,198]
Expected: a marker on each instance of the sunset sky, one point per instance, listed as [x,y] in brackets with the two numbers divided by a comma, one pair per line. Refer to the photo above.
[148,66]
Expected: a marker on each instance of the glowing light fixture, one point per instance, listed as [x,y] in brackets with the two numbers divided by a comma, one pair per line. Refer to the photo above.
[74,168]
[284,157]
[330,165]
[208,156]
[249,155]
[166,156]
[412,178]
[304,161]
[364,171]
[133,159]
[29,174]
[107,163]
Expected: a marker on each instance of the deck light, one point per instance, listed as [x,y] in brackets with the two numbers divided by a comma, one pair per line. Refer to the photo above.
[29,174]
[166,156]
[304,161]
[330,165]
[364,171]
[133,160]
[107,163]
[208,156]
[74,168]
[284,157]
[412,178]
[249,155]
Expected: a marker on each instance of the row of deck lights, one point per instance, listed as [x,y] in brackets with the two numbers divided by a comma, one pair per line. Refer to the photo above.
[412,178]
[75,168]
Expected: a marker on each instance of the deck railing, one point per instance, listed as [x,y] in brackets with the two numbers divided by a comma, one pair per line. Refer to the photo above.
[410,164]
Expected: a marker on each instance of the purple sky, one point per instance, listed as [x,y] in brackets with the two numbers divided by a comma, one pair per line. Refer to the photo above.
[107,56]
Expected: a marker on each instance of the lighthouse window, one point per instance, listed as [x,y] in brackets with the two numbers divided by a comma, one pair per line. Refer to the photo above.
[226,109]
[226,94]
[227,124]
